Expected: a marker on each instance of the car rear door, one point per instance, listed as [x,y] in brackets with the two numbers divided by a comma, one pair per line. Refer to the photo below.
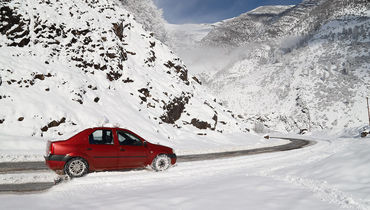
[102,150]
[132,151]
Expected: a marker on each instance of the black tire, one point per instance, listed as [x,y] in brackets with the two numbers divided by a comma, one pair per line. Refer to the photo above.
[161,163]
[76,167]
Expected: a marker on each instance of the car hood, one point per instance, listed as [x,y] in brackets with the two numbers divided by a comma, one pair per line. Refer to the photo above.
[160,148]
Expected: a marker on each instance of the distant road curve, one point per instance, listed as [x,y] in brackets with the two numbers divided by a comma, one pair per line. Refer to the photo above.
[294,144]
[22,167]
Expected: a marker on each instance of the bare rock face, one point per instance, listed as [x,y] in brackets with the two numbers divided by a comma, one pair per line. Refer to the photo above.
[180,70]
[14,27]
[174,109]
[200,124]
[54,123]
[364,134]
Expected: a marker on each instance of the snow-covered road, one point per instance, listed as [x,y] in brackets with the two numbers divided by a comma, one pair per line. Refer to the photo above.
[35,176]
[327,175]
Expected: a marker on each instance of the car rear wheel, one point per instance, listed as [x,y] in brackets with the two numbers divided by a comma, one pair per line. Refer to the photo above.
[76,167]
[161,163]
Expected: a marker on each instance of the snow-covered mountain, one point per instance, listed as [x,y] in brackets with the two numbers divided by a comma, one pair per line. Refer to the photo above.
[271,23]
[292,68]
[245,28]
[68,65]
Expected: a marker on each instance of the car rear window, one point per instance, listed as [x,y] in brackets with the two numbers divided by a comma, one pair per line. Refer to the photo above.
[101,137]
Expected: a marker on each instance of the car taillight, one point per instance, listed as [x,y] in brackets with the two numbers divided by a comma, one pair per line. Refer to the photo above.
[49,148]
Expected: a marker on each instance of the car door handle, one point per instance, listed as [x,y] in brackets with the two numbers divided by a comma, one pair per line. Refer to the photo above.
[88,149]
[122,149]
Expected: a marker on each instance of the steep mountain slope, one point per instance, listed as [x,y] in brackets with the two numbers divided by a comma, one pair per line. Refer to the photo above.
[68,65]
[296,68]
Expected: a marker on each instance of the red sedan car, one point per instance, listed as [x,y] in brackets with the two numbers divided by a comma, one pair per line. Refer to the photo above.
[99,149]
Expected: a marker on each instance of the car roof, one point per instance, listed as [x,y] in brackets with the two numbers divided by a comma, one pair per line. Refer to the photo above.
[108,128]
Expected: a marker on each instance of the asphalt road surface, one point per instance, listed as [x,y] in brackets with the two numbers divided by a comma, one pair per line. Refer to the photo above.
[21,167]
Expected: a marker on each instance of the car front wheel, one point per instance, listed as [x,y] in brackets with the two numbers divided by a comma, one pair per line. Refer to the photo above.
[76,167]
[161,163]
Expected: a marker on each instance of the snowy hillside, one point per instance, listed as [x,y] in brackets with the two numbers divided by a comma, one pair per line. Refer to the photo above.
[68,65]
[292,68]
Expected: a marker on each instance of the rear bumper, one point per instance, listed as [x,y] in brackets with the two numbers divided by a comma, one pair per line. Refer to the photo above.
[56,162]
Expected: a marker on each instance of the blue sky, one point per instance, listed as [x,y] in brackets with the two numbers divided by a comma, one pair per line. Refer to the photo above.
[210,11]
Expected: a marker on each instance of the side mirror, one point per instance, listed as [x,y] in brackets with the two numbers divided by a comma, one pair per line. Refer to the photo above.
[145,144]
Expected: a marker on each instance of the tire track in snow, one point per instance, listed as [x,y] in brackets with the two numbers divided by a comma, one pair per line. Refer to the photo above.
[322,190]
[26,187]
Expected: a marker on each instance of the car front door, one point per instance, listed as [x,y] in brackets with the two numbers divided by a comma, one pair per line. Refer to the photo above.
[132,151]
[102,150]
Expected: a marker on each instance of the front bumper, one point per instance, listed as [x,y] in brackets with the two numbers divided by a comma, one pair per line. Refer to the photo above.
[173,158]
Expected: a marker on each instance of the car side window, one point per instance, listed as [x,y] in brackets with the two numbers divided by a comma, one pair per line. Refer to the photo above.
[101,137]
[126,138]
